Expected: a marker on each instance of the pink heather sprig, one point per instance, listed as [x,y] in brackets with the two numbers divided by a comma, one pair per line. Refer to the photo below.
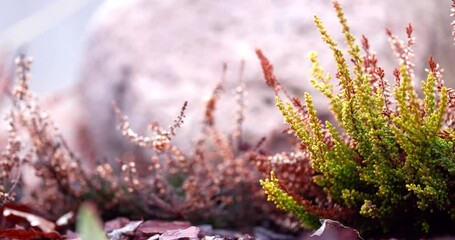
[160,142]
[403,51]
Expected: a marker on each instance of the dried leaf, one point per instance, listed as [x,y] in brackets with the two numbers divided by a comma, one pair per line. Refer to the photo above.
[65,219]
[151,228]
[29,234]
[189,233]
[70,235]
[333,230]
[24,216]
[127,230]
[116,223]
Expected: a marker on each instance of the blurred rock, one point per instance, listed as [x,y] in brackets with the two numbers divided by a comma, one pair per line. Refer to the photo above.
[150,56]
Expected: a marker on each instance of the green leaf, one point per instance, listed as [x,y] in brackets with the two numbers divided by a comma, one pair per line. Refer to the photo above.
[88,223]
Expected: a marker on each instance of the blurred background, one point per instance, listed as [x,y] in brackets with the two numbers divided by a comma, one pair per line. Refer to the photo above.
[53,32]
[150,56]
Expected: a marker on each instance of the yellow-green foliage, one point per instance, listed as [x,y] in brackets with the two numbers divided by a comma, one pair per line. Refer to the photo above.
[394,162]
[285,202]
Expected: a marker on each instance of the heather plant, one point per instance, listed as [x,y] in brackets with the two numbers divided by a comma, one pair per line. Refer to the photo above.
[216,183]
[34,141]
[388,163]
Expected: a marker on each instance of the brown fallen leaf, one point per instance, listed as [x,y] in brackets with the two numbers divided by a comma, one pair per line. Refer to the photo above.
[151,228]
[115,224]
[70,235]
[126,231]
[65,219]
[30,234]
[188,233]
[35,221]
[20,215]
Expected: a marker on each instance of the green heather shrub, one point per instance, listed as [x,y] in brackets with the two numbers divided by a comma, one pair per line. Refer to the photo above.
[388,164]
